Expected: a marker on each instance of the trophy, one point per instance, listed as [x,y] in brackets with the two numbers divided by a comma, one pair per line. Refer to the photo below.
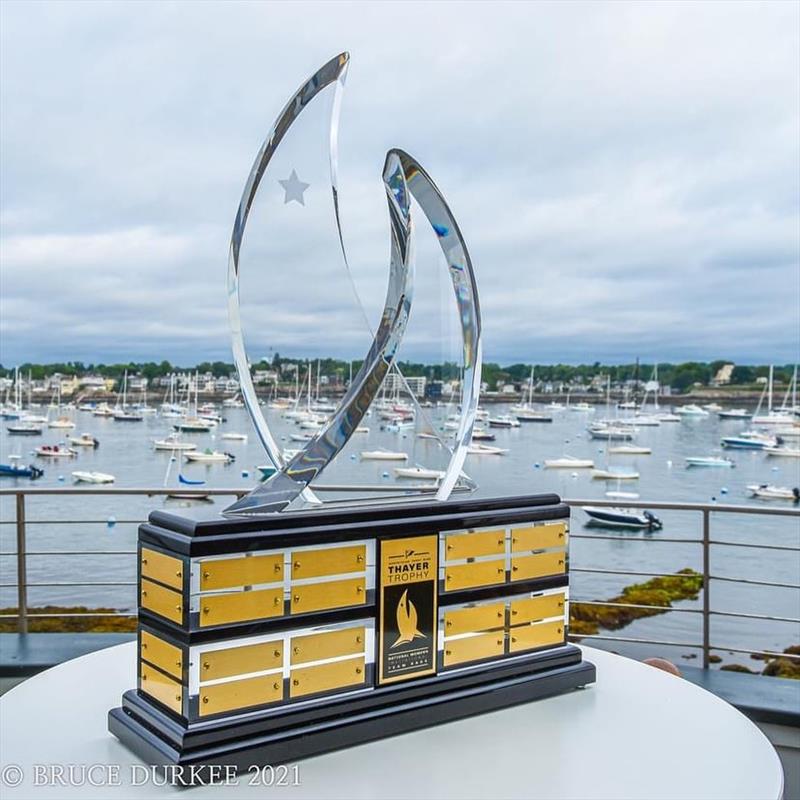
[291,625]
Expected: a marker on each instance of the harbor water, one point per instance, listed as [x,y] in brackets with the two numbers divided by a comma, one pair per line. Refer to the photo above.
[57,523]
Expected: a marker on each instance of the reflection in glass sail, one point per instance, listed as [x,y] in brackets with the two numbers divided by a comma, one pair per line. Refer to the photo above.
[402,178]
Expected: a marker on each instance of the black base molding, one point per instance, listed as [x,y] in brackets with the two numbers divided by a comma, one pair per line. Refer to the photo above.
[194,753]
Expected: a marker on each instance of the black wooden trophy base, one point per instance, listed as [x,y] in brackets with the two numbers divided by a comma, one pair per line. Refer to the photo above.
[171,733]
[246,740]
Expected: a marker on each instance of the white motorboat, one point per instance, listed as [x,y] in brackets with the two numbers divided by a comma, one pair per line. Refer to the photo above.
[124,415]
[234,437]
[480,435]
[584,407]
[478,449]
[103,410]
[629,450]
[749,440]
[780,418]
[84,440]
[713,407]
[734,413]
[34,419]
[668,417]
[55,451]
[611,475]
[419,472]
[92,477]
[769,492]
[628,405]
[569,462]
[62,422]
[173,442]
[503,421]
[783,452]
[645,421]
[209,457]
[361,429]
[708,461]
[691,410]
[383,455]
[613,517]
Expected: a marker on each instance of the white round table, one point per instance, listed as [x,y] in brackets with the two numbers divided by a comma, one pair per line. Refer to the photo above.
[637,733]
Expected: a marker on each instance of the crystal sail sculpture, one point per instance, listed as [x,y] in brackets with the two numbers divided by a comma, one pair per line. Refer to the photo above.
[403,179]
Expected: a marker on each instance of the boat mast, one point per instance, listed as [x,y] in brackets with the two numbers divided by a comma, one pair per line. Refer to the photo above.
[769,399]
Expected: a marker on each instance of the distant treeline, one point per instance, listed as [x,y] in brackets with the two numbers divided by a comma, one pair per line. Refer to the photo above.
[679,376]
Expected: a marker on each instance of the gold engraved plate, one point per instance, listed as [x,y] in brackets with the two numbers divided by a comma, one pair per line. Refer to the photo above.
[527,637]
[478,573]
[161,568]
[539,537]
[240,660]
[227,573]
[472,620]
[533,608]
[241,694]
[161,601]
[538,566]
[325,677]
[473,648]
[469,545]
[408,616]
[164,655]
[330,561]
[162,688]
[319,646]
[219,609]
[332,594]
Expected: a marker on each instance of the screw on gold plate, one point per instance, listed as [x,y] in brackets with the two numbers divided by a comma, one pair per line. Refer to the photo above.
[205,699]
[276,601]
[178,609]
[206,609]
[278,567]
[514,569]
[296,598]
[359,558]
[500,614]
[296,650]
[448,652]
[296,565]
[206,575]
[276,653]
[359,588]
[144,645]
[295,682]
[144,561]
[178,697]
[178,574]
[449,623]
[276,686]
[358,670]
[144,592]
[206,665]
[178,664]
[358,640]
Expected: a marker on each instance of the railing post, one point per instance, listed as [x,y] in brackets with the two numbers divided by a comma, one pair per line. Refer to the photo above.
[22,567]
[706,587]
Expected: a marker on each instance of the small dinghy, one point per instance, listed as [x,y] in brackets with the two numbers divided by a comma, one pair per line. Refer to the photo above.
[482,436]
[768,492]
[84,440]
[210,457]
[419,472]
[383,455]
[708,461]
[735,413]
[234,437]
[82,476]
[611,475]
[629,450]
[617,495]
[13,471]
[478,449]
[55,451]
[622,518]
[529,415]
[569,462]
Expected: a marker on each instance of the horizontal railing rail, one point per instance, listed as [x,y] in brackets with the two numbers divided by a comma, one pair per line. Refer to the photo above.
[704,541]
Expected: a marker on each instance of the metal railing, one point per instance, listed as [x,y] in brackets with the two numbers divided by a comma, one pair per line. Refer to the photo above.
[704,540]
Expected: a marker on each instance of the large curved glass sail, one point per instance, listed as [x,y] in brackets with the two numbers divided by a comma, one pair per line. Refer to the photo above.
[403,179]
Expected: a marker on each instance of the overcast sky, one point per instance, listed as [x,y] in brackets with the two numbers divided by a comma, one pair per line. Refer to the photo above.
[627,177]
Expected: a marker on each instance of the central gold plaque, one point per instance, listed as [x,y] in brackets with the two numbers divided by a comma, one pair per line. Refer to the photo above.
[408,618]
